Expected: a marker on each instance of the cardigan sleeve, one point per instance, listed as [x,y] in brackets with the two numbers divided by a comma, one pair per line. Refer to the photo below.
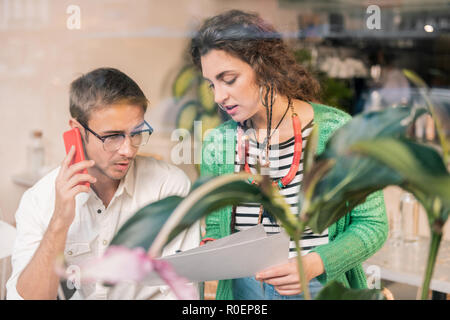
[366,233]
[212,220]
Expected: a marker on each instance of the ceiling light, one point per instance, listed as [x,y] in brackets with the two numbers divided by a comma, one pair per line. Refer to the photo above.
[428,28]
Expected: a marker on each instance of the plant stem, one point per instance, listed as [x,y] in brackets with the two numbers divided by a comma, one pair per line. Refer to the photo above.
[432,255]
[301,270]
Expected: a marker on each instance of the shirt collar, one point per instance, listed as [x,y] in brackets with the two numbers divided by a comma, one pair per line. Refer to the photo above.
[83,197]
[127,183]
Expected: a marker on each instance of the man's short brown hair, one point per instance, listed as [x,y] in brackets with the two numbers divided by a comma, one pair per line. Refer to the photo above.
[100,88]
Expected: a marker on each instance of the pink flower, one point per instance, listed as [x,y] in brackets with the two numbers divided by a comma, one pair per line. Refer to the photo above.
[116,265]
[121,264]
[175,282]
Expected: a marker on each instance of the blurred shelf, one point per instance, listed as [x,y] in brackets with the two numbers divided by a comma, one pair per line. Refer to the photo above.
[406,264]
[25,179]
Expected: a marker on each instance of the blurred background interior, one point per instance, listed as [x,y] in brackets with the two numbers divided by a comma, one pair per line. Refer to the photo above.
[359,65]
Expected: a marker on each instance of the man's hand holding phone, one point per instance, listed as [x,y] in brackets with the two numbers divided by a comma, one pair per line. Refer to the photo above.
[72,179]
[38,280]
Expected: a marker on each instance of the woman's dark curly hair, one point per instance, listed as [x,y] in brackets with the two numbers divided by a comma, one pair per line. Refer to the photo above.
[248,37]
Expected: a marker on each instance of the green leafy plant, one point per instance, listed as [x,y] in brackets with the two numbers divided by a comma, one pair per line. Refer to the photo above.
[425,174]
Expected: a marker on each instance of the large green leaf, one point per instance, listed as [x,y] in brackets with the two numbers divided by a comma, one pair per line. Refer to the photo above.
[336,291]
[421,166]
[426,176]
[329,212]
[353,176]
[310,150]
[390,122]
[142,229]
[437,116]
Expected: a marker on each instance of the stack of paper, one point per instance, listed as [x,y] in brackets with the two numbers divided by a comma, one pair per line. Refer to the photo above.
[241,254]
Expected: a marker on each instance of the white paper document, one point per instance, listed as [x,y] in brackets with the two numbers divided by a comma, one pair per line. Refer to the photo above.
[241,254]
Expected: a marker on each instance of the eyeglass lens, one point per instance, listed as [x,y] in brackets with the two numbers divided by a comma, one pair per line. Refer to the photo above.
[138,139]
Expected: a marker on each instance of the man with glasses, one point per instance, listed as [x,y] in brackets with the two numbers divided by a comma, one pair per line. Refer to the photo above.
[61,215]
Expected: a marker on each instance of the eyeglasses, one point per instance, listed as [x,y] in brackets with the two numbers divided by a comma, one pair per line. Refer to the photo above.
[113,142]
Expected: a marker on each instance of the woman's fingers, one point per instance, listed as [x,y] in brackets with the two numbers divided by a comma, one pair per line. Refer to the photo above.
[280,281]
[274,272]
[296,286]
[289,292]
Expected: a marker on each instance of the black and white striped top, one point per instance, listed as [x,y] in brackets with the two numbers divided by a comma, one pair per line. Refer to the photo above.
[280,156]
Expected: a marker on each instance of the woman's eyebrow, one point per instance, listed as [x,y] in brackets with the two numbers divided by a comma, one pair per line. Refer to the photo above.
[223,73]
[220,75]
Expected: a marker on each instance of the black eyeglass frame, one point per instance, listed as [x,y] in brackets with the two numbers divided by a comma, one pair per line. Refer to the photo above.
[103,138]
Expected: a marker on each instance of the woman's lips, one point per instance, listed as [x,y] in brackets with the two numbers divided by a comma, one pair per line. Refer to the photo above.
[231,109]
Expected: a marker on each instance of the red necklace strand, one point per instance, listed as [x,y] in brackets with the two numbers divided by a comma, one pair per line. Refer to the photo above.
[283,182]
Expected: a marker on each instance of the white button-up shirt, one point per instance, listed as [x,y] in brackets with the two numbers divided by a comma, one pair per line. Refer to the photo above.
[94,226]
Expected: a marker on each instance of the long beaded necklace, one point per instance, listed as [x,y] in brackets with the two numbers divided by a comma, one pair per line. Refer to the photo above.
[265,144]
[280,183]
[298,141]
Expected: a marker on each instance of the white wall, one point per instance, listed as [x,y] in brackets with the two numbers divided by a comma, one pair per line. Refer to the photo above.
[40,56]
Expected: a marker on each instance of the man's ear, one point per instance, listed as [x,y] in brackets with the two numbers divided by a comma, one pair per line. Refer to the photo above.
[73,123]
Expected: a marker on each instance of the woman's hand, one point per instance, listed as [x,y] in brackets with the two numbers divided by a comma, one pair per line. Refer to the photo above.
[286,279]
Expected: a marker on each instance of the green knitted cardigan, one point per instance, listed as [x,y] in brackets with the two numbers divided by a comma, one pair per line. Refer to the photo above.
[351,240]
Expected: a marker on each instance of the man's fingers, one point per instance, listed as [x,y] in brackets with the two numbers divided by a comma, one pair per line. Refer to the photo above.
[78,189]
[66,162]
[79,166]
[82,177]
[68,158]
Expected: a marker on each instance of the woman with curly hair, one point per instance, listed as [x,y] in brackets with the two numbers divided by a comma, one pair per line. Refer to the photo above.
[273,105]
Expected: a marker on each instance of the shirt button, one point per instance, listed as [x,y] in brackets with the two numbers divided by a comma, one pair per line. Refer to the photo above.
[99,211]
[105,242]
[69,252]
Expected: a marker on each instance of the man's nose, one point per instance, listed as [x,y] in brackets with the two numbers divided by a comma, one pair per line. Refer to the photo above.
[127,149]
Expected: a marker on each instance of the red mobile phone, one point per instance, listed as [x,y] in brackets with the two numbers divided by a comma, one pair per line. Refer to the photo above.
[73,138]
